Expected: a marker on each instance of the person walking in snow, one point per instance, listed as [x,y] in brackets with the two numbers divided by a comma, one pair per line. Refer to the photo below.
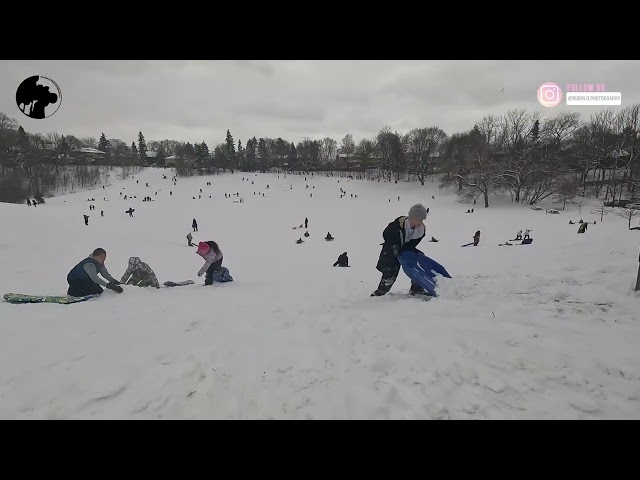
[213,260]
[476,238]
[139,274]
[306,222]
[402,234]
[194,225]
[130,211]
[83,279]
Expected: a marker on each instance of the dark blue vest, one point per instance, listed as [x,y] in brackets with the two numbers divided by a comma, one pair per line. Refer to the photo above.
[78,273]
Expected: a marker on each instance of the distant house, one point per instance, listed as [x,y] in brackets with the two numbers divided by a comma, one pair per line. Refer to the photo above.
[154,157]
[88,155]
[170,161]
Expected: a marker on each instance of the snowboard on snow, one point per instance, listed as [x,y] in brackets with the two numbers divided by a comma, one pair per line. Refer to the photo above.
[178,284]
[422,270]
[60,299]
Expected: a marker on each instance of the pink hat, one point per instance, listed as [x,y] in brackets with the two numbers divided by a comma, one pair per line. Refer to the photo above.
[203,248]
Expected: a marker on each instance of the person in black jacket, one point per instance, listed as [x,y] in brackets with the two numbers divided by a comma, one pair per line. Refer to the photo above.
[403,234]
[83,279]
[343,261]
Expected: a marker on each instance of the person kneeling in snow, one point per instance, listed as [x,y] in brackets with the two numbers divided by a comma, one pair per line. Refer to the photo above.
[343,261]
[213,260]
[83,278]
[139,274]
[403,234]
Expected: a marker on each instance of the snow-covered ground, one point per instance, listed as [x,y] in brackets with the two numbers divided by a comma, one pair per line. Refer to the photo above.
[549,330]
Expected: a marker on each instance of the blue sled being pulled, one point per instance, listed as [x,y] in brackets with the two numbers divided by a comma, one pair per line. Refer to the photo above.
[422,270]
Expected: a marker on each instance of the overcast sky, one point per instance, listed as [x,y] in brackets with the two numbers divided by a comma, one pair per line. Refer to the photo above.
[200,100]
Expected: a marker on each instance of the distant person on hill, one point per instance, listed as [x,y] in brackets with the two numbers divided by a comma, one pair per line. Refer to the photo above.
[86,219]
[526,234]
[402,234]
[102,213]
[139,274]
[130,211]
[83,279]
[306,222]
[306,234]
[194,225]
[213,260]
[300,240]
[28,202]
[476,238]
[571,222]
[190,240]
[343,261]
[328,237]
[519,235]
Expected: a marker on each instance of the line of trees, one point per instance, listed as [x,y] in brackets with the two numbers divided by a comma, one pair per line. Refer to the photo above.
[519,153]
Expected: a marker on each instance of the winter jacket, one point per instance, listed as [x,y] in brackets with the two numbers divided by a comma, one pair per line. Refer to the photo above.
[343,261]
[394,239]
[209,257]
[141,272]
[88,269]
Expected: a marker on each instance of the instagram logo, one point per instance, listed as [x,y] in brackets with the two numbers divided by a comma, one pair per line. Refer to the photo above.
[549,94]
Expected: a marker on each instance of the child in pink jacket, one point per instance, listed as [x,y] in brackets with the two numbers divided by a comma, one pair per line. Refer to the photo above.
[213,260]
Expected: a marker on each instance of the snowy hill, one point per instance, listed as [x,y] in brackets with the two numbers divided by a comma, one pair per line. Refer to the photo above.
[548,330]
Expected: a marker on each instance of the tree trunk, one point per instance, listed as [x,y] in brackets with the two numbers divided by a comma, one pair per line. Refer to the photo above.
[486,198]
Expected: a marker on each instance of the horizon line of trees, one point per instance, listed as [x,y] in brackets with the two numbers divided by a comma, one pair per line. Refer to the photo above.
[530,157]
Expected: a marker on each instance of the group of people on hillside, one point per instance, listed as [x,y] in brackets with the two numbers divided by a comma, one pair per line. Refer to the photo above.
[84,279]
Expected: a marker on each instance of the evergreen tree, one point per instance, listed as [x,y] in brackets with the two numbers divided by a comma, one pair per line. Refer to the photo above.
[142,146]
[103,144]
[23,138]
[535,131]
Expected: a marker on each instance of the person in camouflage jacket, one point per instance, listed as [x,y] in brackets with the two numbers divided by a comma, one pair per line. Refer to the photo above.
[139,274]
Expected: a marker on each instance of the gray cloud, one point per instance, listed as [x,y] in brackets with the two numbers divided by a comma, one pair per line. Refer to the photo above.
[200,100]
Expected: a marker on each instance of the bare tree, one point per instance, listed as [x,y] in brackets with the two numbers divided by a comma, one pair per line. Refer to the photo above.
[601,210]
[422,144]
[391,151]
[54,140]
[628,214]
[579,200]
[328,150]
[89,142]
[484,174]
[348,146]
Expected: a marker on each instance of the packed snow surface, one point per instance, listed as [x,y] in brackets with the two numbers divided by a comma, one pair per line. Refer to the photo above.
[548,330]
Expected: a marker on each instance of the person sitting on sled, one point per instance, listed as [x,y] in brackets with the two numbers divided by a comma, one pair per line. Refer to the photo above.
[139,274]
[83,279]
[328,238]
[343,261]
[213,260]
[519,235]
[402,234]
[190,240]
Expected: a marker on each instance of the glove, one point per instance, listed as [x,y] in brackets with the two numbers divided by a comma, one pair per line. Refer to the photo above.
[199,274]
[396,250]
[116,288]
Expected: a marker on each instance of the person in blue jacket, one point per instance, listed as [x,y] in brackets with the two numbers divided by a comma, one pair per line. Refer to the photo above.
[83,279]
[402,234]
